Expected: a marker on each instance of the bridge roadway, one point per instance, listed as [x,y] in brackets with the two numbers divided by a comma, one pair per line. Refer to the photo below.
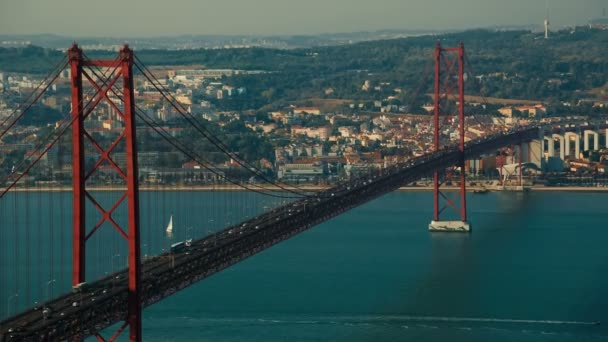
[76,315]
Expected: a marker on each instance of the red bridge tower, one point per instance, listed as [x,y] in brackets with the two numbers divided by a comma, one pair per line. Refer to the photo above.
[121,68]
[449,98]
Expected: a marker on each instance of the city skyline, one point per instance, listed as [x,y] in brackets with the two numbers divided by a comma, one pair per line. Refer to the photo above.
[275,17]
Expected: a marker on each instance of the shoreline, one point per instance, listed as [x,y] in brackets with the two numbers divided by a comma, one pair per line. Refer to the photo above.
[206,188]
[513,188]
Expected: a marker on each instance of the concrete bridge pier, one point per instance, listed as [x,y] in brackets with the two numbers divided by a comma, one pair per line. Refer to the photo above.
[577,144]
[533,152]
[562,148]
[550,143]
[449,226]
[596,140]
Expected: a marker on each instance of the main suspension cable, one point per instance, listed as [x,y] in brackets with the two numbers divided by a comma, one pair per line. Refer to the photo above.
[48,147]
[205,132]
[193,155]
[56,71]
[167,137]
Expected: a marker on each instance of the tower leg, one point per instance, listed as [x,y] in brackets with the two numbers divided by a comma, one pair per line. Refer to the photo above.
[134,301]
[78,177]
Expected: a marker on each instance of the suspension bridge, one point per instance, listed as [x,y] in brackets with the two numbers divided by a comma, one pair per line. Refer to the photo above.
[100,222]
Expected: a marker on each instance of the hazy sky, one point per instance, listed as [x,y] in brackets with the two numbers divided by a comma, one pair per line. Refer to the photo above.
[172,17]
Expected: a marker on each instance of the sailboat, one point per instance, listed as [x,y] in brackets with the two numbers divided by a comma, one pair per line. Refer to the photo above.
[169,229]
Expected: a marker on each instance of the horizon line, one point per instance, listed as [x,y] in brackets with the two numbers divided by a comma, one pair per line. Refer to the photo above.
[395,30]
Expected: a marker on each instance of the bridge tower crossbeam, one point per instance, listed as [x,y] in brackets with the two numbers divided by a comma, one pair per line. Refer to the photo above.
[449,66]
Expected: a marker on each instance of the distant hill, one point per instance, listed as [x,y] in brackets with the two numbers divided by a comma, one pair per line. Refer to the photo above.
[181,42]
[501,64]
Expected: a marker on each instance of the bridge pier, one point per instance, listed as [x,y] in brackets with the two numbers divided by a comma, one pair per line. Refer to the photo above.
[596,140]
[449,226]
[577,144]
[550,146]
[562,148]
[534,151]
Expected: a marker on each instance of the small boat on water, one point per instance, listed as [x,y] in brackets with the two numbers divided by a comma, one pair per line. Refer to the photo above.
[169,229]
[480,191]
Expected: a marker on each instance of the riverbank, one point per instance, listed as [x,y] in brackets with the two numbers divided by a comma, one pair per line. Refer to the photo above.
[527,188]
[179,188]
[311,188]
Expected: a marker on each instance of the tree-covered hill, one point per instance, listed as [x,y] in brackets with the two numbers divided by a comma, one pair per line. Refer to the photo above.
[511,64]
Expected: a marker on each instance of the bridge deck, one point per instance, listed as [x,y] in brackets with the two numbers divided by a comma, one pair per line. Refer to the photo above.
[103,302]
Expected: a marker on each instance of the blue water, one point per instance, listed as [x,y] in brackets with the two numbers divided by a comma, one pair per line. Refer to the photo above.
[535,268]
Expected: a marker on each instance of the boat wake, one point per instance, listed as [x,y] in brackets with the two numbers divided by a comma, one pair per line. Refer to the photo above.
[390,319]
[481,320]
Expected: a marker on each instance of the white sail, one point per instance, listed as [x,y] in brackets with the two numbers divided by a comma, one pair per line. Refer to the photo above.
[170,226]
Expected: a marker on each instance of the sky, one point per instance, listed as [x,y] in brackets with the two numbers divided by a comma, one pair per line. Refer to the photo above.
[151,18]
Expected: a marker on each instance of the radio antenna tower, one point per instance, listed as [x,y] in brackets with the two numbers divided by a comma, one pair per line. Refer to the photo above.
[547,19]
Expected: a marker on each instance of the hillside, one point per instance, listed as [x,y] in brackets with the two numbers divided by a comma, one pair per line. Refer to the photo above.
[505,64]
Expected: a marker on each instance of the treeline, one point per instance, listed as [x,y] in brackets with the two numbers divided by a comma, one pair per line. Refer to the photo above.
[511,64]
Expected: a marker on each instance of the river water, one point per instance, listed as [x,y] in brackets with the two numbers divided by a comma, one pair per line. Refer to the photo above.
[535,268]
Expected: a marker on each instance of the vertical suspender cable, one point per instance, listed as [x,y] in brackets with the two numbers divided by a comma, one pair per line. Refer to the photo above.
[38,222]
[16,229]
[61,227]
[3,248]
[27,241]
